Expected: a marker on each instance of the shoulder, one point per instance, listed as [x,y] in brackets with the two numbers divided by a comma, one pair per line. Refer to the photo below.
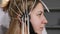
[4,21]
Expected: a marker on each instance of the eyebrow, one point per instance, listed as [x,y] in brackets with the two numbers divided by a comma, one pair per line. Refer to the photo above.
[41,11]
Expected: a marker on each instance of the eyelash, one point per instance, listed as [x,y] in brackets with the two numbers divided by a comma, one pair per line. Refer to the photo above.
[40,14]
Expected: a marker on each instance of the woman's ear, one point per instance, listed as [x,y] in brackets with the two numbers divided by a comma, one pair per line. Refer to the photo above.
[29,13]
[4,3]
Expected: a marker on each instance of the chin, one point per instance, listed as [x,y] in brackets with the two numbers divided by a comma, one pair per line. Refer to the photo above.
[38,31]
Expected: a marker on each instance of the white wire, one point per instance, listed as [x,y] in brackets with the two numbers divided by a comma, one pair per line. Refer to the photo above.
[45,5]
[33,6]
[10,5]
[17,7]
[28,24]
[15,12]
[26,5]
[27,18]
[22,26]
[23,6]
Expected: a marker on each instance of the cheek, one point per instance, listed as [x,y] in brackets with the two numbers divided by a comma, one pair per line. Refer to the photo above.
[35,21]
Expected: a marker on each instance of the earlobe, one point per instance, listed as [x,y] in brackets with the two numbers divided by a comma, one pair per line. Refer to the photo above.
[29,13]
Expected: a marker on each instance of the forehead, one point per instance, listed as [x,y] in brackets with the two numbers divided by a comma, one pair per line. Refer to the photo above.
[39,7]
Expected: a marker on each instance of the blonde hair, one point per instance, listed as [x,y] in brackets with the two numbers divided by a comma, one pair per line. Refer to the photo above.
[16,10]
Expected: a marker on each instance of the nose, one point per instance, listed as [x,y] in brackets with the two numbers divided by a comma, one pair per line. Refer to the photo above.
[44,21]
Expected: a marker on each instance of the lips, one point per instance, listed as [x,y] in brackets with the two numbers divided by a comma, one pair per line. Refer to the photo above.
[41,28]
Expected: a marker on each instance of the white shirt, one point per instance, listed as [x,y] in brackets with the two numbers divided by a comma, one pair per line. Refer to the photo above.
[4,18]
[4,21]
[44,31]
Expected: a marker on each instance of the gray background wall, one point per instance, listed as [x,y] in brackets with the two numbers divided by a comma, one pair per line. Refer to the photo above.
[53,17]
[52,4]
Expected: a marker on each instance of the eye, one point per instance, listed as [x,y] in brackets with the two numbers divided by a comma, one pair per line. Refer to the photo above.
[40,13]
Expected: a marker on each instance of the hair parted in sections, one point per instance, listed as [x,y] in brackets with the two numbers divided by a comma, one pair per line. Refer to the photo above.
[16,10]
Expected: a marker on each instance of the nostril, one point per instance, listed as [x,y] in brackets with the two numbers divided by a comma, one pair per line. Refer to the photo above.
[44,22]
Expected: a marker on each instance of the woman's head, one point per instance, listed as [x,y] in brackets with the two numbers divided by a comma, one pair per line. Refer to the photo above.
[18,9]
